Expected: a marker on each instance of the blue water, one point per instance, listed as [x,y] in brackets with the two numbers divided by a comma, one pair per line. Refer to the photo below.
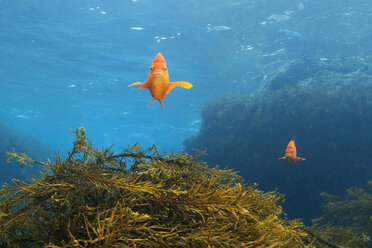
[66,64]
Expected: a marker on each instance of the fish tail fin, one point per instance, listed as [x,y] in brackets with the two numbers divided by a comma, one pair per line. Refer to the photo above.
[151,101]
[185,85]
[143,85]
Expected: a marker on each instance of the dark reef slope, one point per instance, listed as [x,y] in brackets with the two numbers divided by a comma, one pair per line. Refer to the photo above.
[326,106]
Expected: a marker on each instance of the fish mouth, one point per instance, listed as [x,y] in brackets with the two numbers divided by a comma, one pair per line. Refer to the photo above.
[158,74]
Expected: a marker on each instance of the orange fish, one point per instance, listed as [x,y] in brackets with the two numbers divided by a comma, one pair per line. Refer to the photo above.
[158,81]
[291,154]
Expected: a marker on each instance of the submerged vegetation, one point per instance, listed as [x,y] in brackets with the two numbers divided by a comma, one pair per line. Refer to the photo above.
[353,210]
[141,198]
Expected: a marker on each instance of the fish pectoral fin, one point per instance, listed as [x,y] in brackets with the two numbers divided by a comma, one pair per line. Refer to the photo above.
[186,85]
[282,158]
[175,84]
[143,85]
[298,158]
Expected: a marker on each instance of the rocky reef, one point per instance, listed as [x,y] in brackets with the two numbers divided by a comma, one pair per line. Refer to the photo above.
[141,198]
[325,105]
[323,73]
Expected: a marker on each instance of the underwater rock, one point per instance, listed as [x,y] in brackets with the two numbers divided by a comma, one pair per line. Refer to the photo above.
[325,73]
[288,74]
[141,198]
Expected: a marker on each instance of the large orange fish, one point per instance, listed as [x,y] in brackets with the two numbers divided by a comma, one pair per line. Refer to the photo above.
[158,81]
[291,154]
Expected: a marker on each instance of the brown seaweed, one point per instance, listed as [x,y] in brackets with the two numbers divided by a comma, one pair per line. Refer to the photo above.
[353,211]
[142,198]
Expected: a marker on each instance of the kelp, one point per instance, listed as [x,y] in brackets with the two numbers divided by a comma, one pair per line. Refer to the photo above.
[353,211]
[142,198]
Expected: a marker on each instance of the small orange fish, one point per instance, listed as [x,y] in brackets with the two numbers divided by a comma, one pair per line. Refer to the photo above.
[158,81]
[291,154]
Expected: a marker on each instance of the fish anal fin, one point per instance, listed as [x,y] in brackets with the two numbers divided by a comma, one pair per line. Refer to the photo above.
[175,84]
[143,85]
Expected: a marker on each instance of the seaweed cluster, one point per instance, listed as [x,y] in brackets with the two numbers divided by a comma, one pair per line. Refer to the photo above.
[141,198]
[354,210]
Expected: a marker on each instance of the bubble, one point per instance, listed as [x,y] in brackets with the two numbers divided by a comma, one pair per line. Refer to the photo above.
[137,28]
[300,6]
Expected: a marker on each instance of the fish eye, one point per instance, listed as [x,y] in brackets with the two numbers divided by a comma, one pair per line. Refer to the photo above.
[150,68]
[165,68]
